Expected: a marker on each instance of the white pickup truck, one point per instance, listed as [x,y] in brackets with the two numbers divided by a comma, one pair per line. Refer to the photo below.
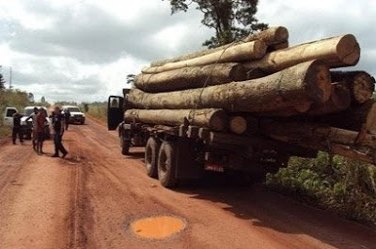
[8,116]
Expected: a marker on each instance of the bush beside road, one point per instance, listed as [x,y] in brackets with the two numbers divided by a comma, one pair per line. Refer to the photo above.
[14,98]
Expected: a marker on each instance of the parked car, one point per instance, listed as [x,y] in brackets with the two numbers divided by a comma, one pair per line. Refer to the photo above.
[76,116]
[27,125]
[8,116]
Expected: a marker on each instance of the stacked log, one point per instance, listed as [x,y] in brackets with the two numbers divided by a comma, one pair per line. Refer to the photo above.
[260,85]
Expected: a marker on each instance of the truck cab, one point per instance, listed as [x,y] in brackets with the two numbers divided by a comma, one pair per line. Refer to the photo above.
[8,116]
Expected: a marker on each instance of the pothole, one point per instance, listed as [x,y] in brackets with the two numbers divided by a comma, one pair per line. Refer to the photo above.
[158,227]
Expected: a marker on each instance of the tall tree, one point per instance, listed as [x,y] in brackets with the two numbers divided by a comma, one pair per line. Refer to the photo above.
[30,96]
[131,78]
[231,19]
[2,82]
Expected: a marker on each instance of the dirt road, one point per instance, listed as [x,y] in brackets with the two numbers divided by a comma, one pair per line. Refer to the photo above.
[90,199]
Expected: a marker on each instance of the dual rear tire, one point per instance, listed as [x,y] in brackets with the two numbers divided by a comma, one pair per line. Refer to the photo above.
[160,161]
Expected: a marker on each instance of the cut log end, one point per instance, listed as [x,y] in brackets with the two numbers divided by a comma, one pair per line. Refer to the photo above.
[360,83]
[219,120]
[281,34]
[348,50]
[363,87]
[238,125]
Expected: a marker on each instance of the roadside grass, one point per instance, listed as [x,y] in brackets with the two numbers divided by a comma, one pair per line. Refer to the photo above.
[98,110]
[14,98]
[346,187]
[4,131]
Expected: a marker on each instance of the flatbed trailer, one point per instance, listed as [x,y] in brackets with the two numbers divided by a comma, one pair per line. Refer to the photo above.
[179,153]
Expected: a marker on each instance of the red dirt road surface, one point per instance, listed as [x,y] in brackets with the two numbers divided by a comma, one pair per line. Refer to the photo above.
[90,200]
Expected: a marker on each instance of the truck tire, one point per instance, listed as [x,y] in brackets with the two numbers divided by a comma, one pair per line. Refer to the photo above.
[167,164]
[151,156]
[125,145]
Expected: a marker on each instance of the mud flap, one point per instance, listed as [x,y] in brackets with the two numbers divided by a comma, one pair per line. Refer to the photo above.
[190,163]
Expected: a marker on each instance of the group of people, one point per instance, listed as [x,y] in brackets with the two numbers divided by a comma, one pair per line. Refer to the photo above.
[38,118]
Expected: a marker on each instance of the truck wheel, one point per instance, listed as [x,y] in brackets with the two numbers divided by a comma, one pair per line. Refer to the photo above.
[151,156]
[125,145]
[167,164]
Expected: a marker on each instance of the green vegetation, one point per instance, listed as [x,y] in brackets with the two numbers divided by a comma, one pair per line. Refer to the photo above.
[97,110]
[14,98]
[230,19]
[344,186]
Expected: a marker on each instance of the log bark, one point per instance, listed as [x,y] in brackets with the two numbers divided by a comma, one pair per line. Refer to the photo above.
[309,81]
[339,101]
[356,118]
[191,77]
[215,119]
[335,52]
[237,53]
[360,84]
[238,124]
[338,141]
[271,36]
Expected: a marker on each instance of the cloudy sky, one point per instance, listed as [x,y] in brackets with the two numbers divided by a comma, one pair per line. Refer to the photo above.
[83,50]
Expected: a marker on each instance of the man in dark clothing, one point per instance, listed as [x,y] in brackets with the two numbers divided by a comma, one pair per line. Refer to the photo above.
[67,115]
[58,125]
[17,128]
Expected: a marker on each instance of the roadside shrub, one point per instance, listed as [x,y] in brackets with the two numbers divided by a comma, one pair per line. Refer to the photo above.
[14,98]
[347,187]
[97,110]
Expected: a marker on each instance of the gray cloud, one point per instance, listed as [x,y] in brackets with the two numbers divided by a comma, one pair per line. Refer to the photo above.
[94,36]
[78,56]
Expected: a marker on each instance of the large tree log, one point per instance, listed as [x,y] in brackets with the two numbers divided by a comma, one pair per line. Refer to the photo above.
[326,138]
[237,53]
[339,100]
[335,52]
[360,84]
[309,81]
[215,119]
[191,77]
[271,37]
[356,118]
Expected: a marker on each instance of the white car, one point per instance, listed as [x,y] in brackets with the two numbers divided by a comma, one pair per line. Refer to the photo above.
[76,116]
[8,115]
[27,125]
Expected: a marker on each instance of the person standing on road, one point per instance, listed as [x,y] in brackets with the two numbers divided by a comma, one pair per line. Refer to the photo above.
[67,116]
[33,118]
[17,128]
[40,128]
[58,126]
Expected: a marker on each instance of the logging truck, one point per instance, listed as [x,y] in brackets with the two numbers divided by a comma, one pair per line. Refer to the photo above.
[176,153]
[244,108]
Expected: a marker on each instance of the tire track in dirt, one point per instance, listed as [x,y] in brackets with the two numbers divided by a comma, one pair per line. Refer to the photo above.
[9,169]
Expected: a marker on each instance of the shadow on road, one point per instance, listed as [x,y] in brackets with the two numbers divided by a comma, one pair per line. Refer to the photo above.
[270,210]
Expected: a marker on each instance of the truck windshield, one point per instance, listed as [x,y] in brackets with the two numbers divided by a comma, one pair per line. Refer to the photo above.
[73,109]
[28,112]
